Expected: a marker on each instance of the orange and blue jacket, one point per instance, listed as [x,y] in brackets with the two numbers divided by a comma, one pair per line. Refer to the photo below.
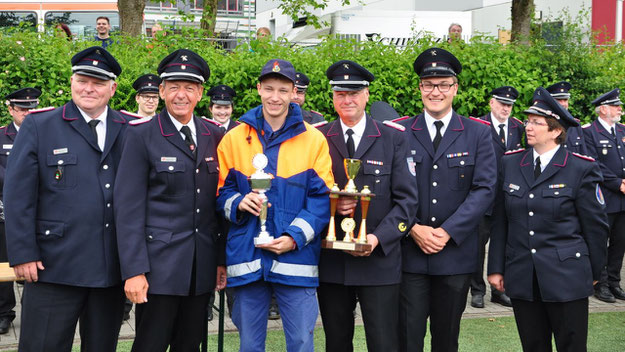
[299,160]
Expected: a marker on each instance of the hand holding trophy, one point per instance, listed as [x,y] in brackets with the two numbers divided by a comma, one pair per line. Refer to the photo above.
[260,181]
[348,225]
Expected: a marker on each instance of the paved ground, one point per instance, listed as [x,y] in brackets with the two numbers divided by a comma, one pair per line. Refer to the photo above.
[9,341]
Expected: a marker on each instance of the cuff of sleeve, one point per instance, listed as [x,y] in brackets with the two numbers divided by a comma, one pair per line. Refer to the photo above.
[297,235]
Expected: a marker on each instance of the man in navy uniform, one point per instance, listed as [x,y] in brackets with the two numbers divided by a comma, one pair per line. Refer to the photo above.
[456,173]
[20,102]
[222,106]
[507,133]
[605,140]
[373,277]
[58,195]
[147,94]
[574,134]
[301,84]
[170,253]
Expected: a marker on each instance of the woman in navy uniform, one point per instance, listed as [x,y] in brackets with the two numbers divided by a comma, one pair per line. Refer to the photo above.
[221,106]
[548,248]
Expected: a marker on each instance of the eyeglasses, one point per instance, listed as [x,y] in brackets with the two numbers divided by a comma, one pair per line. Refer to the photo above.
[442,87]
[535,123]
[149,97]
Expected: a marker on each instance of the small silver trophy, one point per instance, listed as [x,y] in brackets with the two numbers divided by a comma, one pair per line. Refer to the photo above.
[260,181]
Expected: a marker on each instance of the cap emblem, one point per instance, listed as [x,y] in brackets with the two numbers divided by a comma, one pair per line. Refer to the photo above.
[223,88]
[184,58]
[433,64]
[98,52]
[433,52]
[346,66]
[184,67]
[276,67]
[346,77]
[95,62]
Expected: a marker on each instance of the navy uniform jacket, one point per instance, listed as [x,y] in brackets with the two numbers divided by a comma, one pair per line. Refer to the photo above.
[312,116]
[67,221]
[165,206]
[7,136]
[555,225]
[610,154]
[575,140]
[382,151]
[456,187]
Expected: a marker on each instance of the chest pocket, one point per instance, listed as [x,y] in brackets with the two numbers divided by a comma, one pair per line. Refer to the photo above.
[559,201]
[61,170]
[603,149]
[172,176]
[460,172]
[515,204]
[378,178]
[6,149]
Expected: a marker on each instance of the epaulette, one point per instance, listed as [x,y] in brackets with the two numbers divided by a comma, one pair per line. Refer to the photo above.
[517,120]
[394,125]
[131,114]
[585,157]
[400,119]
[140,121]
[586,125]
[319,124]
[3,127]
[480,120]
[510,152]
[211,121]
[316,112]
[34,111]
[576,119]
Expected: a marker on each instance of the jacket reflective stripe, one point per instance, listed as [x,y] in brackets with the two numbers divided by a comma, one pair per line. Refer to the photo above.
[303,225]
[293,269]
[228,206]
[243,268]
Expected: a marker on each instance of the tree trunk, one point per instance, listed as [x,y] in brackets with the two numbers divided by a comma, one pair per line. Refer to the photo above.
[131,16]
[521,20]
[209,16]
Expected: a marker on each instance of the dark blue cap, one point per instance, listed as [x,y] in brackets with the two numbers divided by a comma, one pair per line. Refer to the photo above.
[545,105]
[221,94]
[301,81]
[278,67]
[347,75]
[147,83]
[184,65]
[24,98]
[609,98]
[96,62]
[436,62]
[560,90]
[505,95]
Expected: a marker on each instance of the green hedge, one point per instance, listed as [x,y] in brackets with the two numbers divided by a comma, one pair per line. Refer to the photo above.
[35,59]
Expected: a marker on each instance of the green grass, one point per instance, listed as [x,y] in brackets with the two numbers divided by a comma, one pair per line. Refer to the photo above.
[606,333]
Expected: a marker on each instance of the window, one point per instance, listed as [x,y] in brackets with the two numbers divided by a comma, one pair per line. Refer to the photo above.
[230,7]
[15,18]
[81,23]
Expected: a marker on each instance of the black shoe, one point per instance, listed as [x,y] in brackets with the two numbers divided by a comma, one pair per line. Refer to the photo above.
[501,298]
[126,316]
[477,301]
[603,294]
[5,323]
[274,313]
[618,292]
[210,315]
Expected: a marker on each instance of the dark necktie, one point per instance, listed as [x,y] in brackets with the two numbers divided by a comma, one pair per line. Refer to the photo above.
[92,124]
[537,170]
[188,138]
[612,131]
[502,134]
[351,149]
[437,138]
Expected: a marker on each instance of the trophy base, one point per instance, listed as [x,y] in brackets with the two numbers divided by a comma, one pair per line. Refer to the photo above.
[262,240]
[346,246]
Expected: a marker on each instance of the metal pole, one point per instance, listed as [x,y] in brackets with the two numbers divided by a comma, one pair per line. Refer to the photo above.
[249,20]
[619,21]
[222,309]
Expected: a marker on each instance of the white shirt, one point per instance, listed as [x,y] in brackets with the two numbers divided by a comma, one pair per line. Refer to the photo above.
[545,158]
[359,130]
[17,128]
[179,125]
[100,128]
[605,125]
[225,124]
[496,123]
[429,121]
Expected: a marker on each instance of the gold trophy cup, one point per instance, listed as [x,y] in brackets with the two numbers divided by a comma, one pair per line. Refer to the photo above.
[260,181]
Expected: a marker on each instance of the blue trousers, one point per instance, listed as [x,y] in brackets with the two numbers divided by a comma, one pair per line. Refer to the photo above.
[298,309]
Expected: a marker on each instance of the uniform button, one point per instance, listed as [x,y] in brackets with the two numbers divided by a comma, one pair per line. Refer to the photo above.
[577,255]
[60,162]
[435,167]
[197,171]
[556,193]
[377,171]
[433,219]
[197,230]
[621,157]
[108,205]
[47,232]
[533,251]
[434,184]
[171,168]
[106,225]
[150,237]
[198,190]
[531,195]
[531,233]
[619,147]
[434,201]
[531,213]
[108,185]
[461,162]
[105,167]
[197,210]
